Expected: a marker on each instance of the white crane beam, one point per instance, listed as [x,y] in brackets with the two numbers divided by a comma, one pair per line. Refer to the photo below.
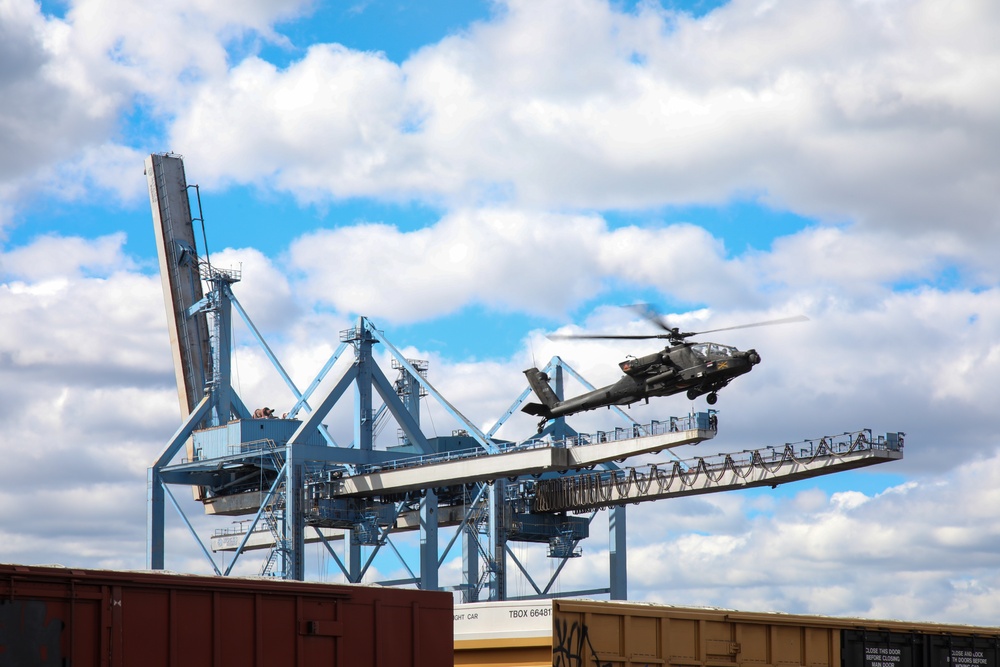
[535,461]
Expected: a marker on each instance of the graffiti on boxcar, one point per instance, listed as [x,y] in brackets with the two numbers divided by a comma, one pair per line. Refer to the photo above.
[573,647]
[26,638]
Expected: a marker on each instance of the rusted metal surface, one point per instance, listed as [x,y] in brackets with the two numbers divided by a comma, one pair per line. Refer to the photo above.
[57,616]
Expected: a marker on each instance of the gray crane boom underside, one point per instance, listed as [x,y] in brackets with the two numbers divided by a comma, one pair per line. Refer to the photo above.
[606,489]
[534,461]
[407,521]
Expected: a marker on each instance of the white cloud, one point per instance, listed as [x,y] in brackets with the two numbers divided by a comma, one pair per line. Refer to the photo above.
[865,115]
[68,82]
[524,261]
[346,101]
[502,258]
[41,113]
[58,257]
[86,397]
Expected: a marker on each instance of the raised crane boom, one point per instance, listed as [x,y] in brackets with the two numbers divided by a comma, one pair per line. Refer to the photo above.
[180,276]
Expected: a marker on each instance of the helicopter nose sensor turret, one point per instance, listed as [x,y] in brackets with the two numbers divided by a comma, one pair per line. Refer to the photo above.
[753,357]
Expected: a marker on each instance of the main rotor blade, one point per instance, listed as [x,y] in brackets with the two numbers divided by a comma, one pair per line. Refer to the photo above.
[649,312]
[783,320]
[672,334]
[604,336]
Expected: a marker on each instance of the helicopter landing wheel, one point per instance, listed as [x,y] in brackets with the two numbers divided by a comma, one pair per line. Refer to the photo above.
[712,398]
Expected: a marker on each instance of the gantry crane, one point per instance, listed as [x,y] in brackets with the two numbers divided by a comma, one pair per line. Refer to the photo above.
[297,484]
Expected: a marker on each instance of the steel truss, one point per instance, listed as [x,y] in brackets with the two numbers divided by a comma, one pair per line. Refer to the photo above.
[483,524]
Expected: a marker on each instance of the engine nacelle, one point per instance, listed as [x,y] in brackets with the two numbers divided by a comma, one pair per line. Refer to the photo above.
[635,366]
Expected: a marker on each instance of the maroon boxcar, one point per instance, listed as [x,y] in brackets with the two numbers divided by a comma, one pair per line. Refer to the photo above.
[65,616]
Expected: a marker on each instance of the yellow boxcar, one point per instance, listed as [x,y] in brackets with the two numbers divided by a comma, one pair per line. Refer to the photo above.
[586,633]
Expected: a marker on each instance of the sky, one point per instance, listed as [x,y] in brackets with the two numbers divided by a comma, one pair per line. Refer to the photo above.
[475,175]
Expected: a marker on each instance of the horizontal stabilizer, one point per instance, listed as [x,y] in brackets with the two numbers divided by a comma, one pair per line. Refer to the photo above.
[536,409]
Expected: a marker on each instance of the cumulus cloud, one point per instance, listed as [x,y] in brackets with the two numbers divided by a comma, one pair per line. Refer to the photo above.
[68,82]
[861,116]
[58,257]
[549,263]
[502,258]
[41,115]
[85,394]
[521,261]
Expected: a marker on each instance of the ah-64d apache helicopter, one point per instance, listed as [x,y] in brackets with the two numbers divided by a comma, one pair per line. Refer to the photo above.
[697,368]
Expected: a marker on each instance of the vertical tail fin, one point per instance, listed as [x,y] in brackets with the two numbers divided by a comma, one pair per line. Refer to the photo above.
[539,383]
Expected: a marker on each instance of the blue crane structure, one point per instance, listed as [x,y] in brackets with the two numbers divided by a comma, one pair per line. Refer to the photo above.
[297,484]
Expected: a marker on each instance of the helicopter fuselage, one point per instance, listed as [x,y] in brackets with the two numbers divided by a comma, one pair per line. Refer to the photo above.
[695,368]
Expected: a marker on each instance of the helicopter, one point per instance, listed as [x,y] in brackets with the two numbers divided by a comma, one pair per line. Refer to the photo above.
[683,366]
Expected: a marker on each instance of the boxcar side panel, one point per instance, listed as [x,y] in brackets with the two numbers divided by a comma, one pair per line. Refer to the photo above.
[640,635]
[191,628]
[141,619]
[754,640]
[56,616]
[682,641]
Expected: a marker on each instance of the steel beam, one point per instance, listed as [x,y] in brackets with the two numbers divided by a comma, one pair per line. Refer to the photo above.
[541,459]
[450,473]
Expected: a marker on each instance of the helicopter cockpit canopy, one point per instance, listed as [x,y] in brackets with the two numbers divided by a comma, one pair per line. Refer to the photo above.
[714,350]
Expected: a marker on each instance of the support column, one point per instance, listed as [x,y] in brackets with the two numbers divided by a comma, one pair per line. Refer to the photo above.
[154,520]
[363,414]
[352,557]
[294,521]
[618,555]
[429,541]
[470,563]
[498,542]
[222,353]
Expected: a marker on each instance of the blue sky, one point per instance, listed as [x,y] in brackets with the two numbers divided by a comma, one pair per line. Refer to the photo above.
[475,175]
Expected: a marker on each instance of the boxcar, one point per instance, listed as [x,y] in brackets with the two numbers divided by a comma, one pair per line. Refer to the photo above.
[588,633]
[63,616]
